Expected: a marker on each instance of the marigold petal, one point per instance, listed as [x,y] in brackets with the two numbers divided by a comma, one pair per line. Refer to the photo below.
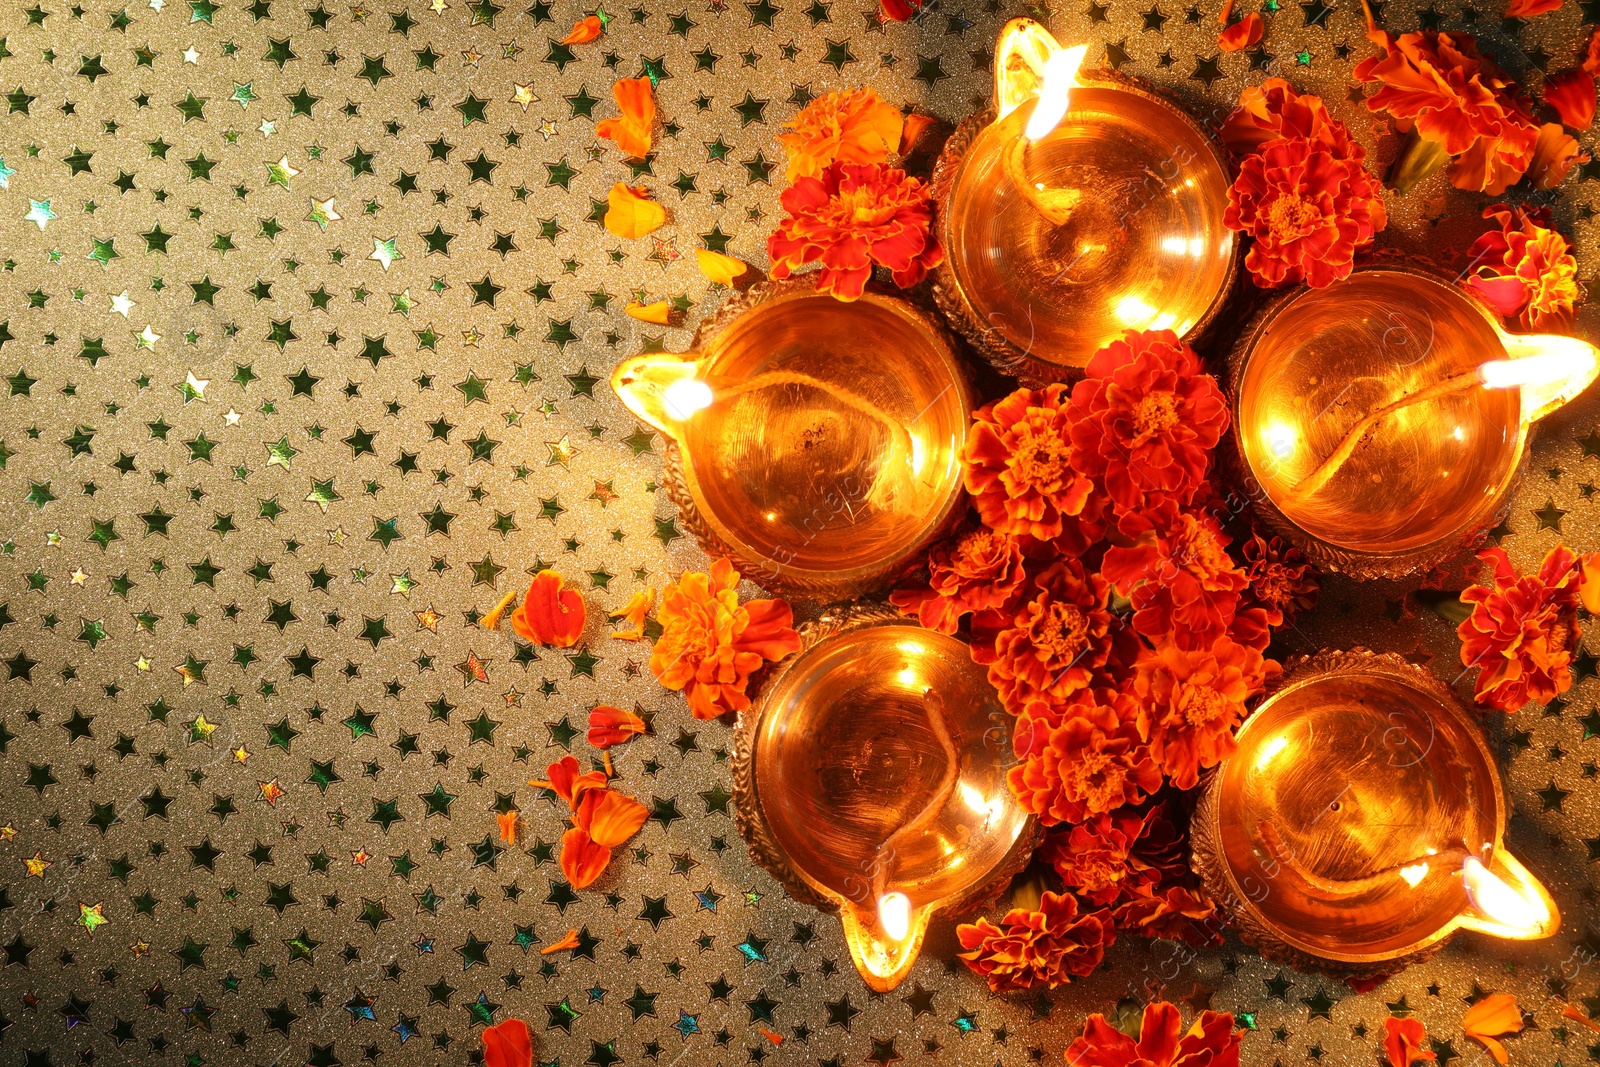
[584,30]
[634,612]
[550,613]
[610,818]
[612,726]
[632,131]
[507,821]
[659,312]
[719,268]
[1242,34]
[582,861]
[631,213]
[508,1044]
[1572,93]
[1402,1042]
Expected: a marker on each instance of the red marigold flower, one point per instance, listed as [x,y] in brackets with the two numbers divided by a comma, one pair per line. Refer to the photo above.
[1572,93]
[551,614]
[1524,270]
[976,571]
[1180,580]
[1017,464]
[1082,758]
[1523,630]
[1273,111]
[1145,419]
[1030,948]
[851,216]
[1190,701]
[1210,1042]
[1048,646]
[1281,579]
[1309,211]
[1454,95]
[1116,853]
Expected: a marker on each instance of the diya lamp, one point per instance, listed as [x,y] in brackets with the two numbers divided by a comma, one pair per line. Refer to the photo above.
[1360,823]
[1081,205]
[870,778]
[1382,421]
[816,441]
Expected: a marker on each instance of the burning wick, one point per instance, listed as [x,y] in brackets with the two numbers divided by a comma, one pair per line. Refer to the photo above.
[945,730]
[1574,360]
[1500,901]
[894,915]
[1059,76]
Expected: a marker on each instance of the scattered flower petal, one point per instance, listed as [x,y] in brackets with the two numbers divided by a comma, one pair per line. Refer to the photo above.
[637,99]
[1572,93]
[508,1044]
[612,726]
[550,614]
[631,213]
[659,312]
[1491,1018]
[719,268]
[584,30]
[1402,1042]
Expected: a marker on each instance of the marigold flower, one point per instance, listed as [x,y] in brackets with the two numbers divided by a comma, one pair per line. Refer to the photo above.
[631,131]
[550,614]
[1572,93]
[851,217]
[977,571]
[1555,153]
[1114,854]
[582,860]
[853,126]
[633,613]
[1210,1042]
[1492,1017]
[1402,1042]
[1081,759]
[1017,464]
[1145,419]
[1031,948]
[631,213]
[1050,644]
[1440,84]
[1190,700]
[1172,912]
[584,30]
[1524,270]
[1180,580]
[1308,211]
[508,1044]
[1281,579]
[710,643]
[610,726]
[1523,630]
[1242,34]
[1274,111]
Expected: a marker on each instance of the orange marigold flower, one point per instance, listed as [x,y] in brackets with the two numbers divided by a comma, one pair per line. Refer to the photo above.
[582,860]
[633,613]
[1081,759]
[1242,34]
[710,644]
[1440,84]
[1049,645]
[1554,155]
[584,30]
[1523,630]
[1309,211]
[508,1044]
[1145,420]
[1274,111]
[1117,853]
[1030,948]
[1190,701]
[551,614]
[1017,464]
[1402,1042]
[853,126]
[850,217]
[1180,580]
[977,571]
[1281,579]
[1524,270]
[1172,912]
[637,99]
[612,726]
[1494,1016]
[1210,1042]
[1572,93]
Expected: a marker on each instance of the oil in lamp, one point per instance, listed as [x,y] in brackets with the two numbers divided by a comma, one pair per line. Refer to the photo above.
[816,441]
[1081,205]
[1360,823]
[869,775]
[1383,420]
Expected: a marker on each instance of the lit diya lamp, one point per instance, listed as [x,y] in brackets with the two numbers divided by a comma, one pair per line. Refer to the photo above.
[1383,420]
[870,778]
[1081,205]
[1360,823]
[816,441]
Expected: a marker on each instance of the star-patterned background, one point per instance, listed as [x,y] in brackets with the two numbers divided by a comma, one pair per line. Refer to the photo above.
[306,315]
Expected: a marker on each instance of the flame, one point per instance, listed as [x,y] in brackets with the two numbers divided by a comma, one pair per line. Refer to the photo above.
[894,915]
[1060,75]
[1549,369]
[1501,902]
[686,396]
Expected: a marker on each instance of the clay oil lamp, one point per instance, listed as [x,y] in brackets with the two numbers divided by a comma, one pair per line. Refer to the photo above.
[870,778]
[815,441]
[1080,205]
[1382,420]
[1361,823]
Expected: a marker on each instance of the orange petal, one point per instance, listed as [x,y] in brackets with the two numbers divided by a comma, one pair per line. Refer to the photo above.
[636,97]
[634,611]
[1571,92]
[1491,1017]
[915,125]
[659,312]
[1589,582]
[584,30]
[610,818]
[1242,34]
[550,614]
[508,826]
[508,1044]
[631,213]
[612,726]
[1402,1042]
[718,267]
[491,620]
[582,861]
[1527,9]
[569,784]
[1569,1012]
[568,942]
[1555,153]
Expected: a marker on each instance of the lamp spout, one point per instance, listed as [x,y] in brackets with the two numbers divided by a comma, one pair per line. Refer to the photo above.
[663,390]
[884,937]
[1506,900]
[1548,369]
